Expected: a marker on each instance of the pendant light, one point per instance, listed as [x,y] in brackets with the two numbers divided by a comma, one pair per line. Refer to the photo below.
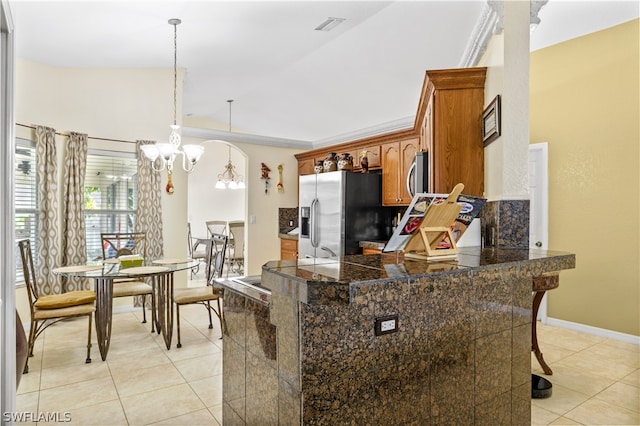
[165,153]
[229,178]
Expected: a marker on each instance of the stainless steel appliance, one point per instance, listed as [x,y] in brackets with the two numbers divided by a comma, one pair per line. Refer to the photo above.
[418,176]
[338,210]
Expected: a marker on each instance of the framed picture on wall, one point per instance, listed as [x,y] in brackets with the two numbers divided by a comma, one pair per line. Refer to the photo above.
[491,121]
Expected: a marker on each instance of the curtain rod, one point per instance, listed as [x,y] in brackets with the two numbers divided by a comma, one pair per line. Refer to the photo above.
[88,137]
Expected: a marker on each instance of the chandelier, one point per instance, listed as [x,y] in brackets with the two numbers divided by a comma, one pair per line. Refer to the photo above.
[166,153]
[230,178]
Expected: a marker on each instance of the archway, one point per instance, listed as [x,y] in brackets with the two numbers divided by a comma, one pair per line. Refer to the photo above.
[204,201]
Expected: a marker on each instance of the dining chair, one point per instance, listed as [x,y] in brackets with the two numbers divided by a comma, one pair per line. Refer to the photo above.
[216,227]
[236,252]
[216,249]
[47,310]
[115,245]
[194,252]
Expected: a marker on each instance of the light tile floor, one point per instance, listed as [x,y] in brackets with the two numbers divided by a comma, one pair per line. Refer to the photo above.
[596,381]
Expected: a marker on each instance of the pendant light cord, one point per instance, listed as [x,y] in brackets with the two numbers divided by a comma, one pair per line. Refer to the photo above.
[175,70]
[229,101]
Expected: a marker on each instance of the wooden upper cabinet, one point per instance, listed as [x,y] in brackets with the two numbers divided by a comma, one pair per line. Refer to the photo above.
[390,174]
[397,158]
[305,167]
[447,126]
[450,110]
[373,157]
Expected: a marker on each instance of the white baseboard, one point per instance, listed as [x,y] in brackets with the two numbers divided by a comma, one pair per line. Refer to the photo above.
[629,338]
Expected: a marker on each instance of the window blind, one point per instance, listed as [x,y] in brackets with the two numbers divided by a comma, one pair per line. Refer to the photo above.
[26,200]
[110,197]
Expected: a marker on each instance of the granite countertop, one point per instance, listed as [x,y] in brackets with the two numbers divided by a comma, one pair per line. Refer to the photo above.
[375,245]
[285,236]
[333,280]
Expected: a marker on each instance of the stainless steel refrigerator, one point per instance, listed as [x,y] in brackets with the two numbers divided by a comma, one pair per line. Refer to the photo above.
[338,210]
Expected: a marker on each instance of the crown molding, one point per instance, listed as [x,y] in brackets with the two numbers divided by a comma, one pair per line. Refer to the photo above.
[488,24]
[386,127]
[202,133]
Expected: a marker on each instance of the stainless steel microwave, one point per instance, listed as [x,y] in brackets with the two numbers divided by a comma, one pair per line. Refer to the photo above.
[418,176]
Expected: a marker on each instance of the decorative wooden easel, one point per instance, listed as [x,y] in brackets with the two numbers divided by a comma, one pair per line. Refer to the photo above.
[436,228]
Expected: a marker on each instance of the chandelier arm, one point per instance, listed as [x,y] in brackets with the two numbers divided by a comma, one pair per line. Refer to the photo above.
[162,164]
[187,166]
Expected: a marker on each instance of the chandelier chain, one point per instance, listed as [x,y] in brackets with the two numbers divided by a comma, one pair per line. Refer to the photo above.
[175,70]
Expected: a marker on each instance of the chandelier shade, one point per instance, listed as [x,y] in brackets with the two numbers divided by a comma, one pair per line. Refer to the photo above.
[163,155]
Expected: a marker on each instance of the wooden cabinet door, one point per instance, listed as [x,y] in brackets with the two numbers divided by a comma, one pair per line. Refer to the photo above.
[288,249]
[373,155]
[390,173]
[408,149]
[305,167]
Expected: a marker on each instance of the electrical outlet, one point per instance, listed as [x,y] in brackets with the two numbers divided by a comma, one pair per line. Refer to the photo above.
[386,324]
[290,223]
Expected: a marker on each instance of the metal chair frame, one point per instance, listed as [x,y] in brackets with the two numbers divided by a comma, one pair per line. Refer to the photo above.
[236,252]
[191,251]
[216,250]
[39,326]
[134,243]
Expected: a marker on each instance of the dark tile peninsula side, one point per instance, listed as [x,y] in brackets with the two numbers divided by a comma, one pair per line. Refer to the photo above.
[461,354]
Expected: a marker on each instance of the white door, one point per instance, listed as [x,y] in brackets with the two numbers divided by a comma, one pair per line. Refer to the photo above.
[539,205]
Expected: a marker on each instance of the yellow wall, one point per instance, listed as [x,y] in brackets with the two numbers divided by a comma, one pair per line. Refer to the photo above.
[585,104]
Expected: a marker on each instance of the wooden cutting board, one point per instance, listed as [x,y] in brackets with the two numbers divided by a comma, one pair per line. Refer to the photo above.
[437,223]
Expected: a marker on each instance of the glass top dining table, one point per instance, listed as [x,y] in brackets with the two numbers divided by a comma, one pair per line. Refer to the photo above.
[103,272]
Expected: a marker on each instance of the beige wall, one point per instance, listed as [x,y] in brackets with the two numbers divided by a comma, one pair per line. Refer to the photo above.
[585,104]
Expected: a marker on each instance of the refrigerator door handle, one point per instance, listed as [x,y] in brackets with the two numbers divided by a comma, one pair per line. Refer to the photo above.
[314,223]
[411,171]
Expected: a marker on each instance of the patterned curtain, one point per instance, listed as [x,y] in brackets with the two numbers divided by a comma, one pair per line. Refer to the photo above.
[74,244]
[149,210]
[48,248]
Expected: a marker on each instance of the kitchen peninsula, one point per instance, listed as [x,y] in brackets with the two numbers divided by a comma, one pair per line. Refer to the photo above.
[384,340]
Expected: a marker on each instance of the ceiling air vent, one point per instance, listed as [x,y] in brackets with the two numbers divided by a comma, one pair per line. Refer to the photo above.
[329,24]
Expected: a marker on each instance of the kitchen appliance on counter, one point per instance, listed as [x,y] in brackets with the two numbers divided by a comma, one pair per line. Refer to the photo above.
[418,176]
[338,210]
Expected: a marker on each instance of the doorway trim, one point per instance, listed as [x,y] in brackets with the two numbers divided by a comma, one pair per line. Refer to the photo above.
[539,199]
[7,234]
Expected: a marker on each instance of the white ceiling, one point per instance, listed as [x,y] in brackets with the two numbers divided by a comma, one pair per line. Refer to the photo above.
[287,80]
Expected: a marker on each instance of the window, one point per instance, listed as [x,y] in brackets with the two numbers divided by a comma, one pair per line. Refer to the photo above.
[26,199]
[110,198]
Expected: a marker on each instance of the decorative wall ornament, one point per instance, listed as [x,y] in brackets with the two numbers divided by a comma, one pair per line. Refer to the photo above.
[264,170]
[280,186]
[491,121]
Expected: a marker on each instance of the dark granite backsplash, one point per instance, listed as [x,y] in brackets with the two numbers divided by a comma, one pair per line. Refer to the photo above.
[505,224]
[285,215]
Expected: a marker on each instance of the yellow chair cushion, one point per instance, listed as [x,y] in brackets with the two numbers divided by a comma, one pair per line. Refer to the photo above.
[64,300]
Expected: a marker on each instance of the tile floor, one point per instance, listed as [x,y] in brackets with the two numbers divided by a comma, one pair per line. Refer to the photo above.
[596,381]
